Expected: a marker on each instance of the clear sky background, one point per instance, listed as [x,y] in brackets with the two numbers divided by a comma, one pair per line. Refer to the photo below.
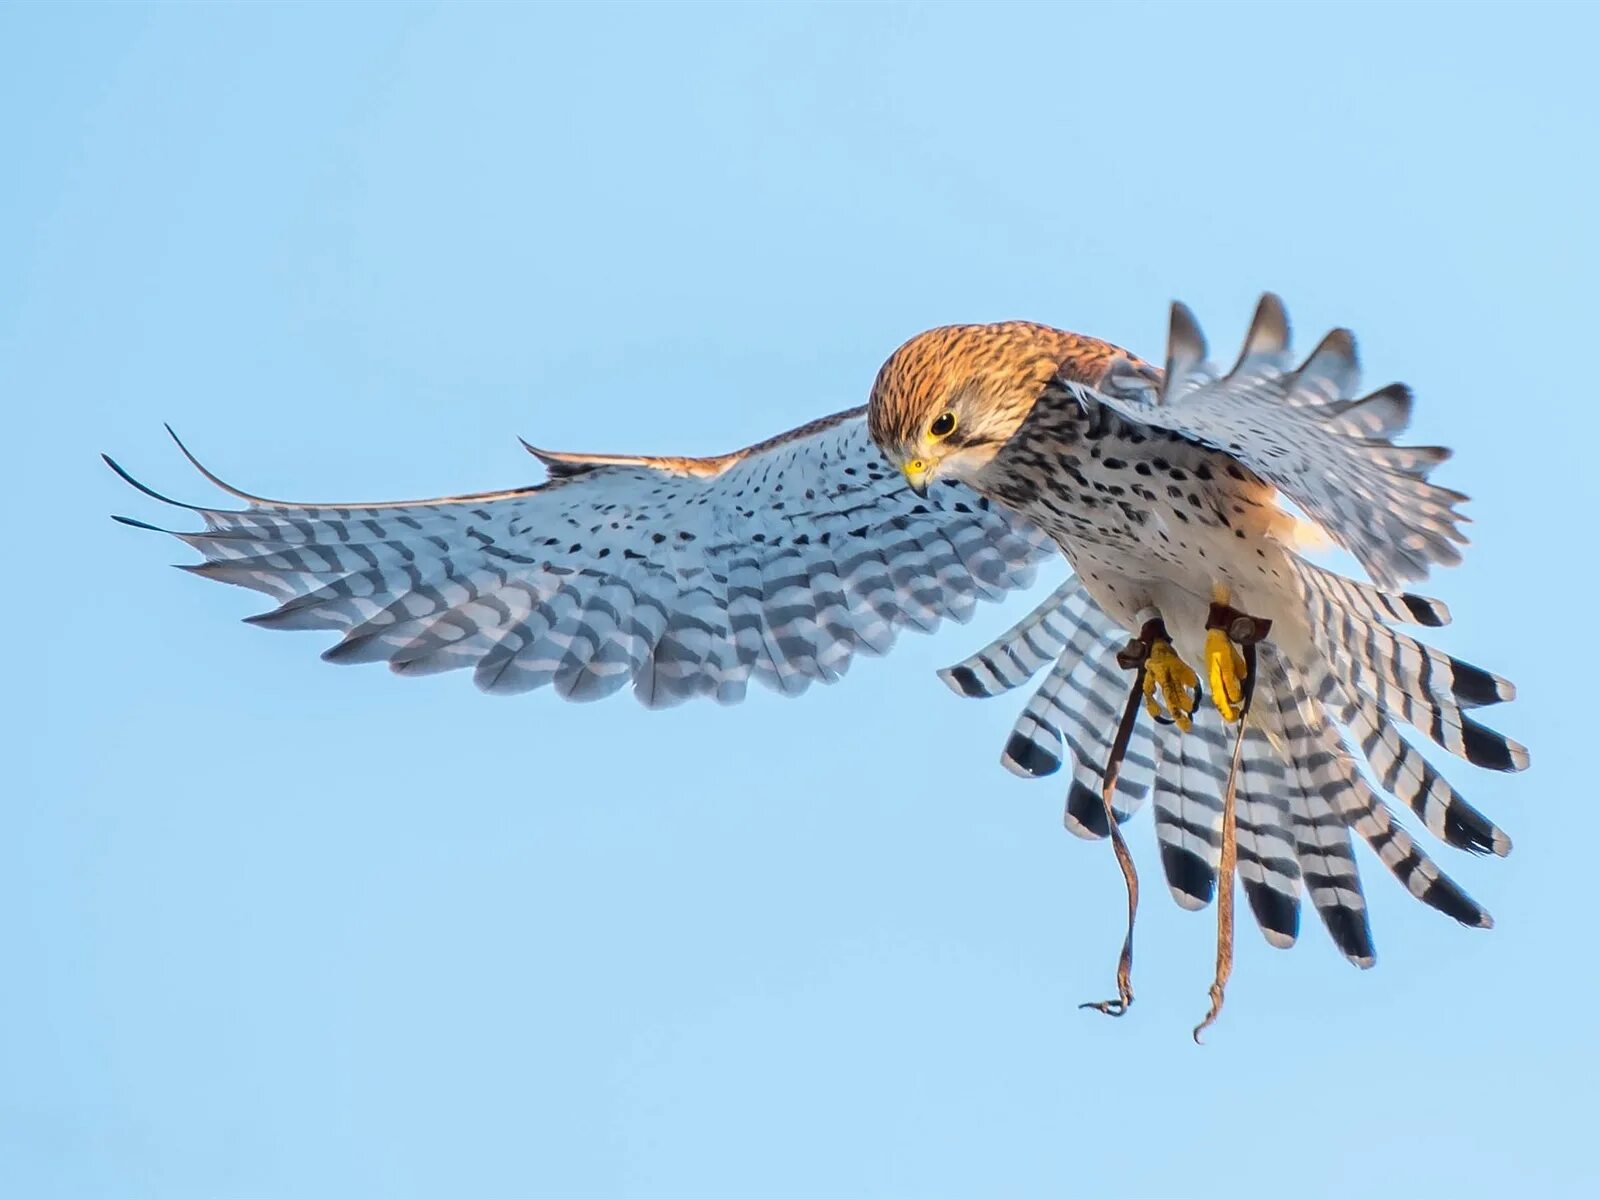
[276,929]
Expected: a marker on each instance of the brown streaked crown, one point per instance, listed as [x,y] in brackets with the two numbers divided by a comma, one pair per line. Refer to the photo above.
[1002,367]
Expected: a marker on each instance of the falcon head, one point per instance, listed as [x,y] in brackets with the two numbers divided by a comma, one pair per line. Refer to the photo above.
[947,400]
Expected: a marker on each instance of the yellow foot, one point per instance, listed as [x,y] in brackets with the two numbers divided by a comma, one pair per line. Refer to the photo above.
[1169,680]
[1225,670]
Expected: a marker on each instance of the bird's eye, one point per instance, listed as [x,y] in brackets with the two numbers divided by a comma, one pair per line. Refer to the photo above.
[943,425]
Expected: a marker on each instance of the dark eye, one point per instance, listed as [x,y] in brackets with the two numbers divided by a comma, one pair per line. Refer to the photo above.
[943,425]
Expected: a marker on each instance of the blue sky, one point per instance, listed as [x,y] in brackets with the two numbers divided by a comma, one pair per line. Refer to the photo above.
[278,929]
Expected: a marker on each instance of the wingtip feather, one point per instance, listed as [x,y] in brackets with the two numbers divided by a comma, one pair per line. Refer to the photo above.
[127,477]
[213,478]
[1268,335]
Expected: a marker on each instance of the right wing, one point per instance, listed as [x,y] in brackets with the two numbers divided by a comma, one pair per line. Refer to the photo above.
[682,576]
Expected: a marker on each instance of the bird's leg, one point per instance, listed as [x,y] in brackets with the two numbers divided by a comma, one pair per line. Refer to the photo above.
[1232,627]
[1136,657]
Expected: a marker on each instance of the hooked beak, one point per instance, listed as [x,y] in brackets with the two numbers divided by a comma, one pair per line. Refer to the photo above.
[918,473]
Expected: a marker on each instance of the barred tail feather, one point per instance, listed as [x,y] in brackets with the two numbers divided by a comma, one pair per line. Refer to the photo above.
[1391,659]
[1091,703]
[1080,703]
[1191,776]
[1322,840]
[1188,816]
[1424,687]
[1328,768]
[1326,592]
[1017,655]
[1268,867]
[1332,879]
[1404,772]
[1034,747]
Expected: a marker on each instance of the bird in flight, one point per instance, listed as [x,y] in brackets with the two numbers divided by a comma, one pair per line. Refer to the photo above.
[1267,681]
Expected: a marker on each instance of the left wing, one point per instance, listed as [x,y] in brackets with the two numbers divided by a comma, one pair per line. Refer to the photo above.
[1304,431]
[682,576]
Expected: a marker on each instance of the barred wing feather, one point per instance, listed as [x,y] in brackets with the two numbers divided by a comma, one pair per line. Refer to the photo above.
[682,577]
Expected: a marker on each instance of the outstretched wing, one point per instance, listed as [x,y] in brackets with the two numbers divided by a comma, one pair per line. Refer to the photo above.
[1305,431]
[683,577]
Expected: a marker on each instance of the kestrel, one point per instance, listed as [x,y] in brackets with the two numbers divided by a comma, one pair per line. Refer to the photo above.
[982,450]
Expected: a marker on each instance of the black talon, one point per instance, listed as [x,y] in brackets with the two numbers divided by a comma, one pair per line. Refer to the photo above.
[1199,699]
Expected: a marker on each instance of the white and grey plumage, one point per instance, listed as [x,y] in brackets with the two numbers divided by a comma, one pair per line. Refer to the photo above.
[685,577]
[682,577]
[1302,793]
